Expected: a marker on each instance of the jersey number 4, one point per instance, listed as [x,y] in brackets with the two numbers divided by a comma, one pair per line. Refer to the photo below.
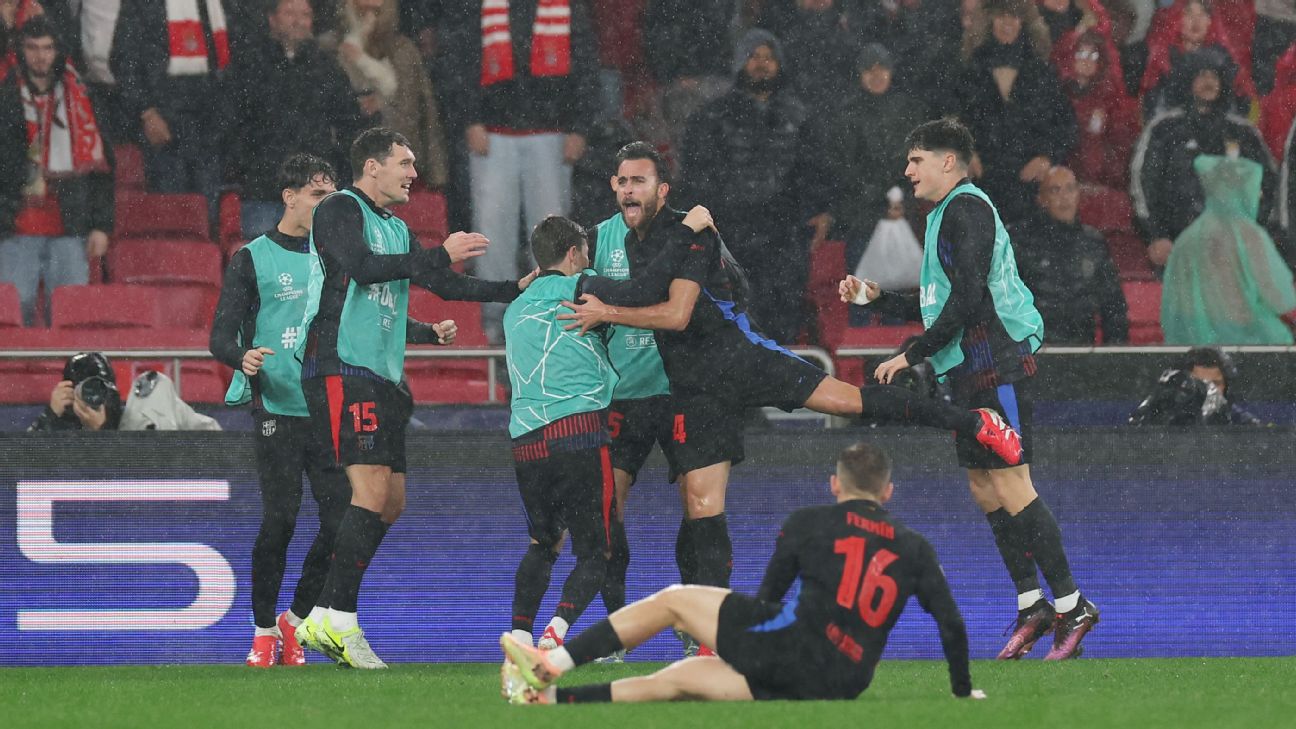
[878,593]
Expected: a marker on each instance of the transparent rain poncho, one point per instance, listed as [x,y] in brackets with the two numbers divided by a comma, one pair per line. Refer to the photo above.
[1225,282]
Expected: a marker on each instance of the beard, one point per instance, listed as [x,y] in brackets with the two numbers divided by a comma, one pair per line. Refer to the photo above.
[760,86]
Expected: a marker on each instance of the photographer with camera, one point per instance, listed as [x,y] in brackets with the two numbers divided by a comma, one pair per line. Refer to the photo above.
[1195,393]
[85,399]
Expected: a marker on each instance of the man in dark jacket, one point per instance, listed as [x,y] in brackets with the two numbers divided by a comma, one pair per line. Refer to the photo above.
[687,44]
[85,399]
[528,75]
[52,153]
[867,135]
[1166,193]
[1067,266]
[822,48]
[1013,102]
[288,97]
[175,88]
[750,157]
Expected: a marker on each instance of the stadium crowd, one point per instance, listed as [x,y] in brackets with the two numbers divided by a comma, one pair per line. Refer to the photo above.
[1095,120]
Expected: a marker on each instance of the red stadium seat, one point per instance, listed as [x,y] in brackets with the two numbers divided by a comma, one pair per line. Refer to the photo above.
[230,225]
[1130,256]
[156,215]
[1106,209]
[165,261]
[827,269]
[106,306]
[1144,299]
[128,171]
[425,214]
[450,380]
[10,307]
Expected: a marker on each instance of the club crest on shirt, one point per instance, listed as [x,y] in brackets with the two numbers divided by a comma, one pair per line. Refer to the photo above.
[268,428]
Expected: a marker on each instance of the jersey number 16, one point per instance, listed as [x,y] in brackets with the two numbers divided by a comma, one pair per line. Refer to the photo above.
[878,593]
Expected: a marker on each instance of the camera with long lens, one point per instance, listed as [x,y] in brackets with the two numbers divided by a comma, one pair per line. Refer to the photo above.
[93,391]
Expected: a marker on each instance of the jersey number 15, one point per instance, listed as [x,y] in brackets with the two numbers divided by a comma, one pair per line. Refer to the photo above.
[878,593]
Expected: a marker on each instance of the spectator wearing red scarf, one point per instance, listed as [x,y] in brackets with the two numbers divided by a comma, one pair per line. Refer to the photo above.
[50,147]
[1106,117]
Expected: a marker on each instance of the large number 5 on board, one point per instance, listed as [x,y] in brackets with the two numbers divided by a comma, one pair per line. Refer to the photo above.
[873,608]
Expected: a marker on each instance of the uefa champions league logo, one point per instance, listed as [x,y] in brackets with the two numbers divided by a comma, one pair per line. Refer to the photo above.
[285,280]
[618,258]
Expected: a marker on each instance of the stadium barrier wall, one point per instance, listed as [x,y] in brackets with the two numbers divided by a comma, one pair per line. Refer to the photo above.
[130,548]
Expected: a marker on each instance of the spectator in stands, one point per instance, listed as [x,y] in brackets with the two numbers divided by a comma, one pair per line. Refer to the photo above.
[52,147]
[867,138]
[1166,193]
[822,48]
[1188,26]
[687,45]
[750,157]
[86,28]
[388,77]
[288,96]
[530,90]
[1278,108]
[85,399]
[1195,392]
[169,59]
[1107,119]
[1062,16]
[1012,101]
[922,36]
[1067,266]
[1275,31]
[1225,282]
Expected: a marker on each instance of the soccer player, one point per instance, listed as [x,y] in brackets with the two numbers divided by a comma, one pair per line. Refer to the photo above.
[562,384]
[982,330]
[354,357]
[263,298]
[853,566]
[640,413]
[718,364]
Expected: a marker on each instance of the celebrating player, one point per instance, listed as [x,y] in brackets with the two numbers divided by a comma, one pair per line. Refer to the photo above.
[855,567]
[263,298]
[693,294]
[354,358]
[982,330]
[562,384]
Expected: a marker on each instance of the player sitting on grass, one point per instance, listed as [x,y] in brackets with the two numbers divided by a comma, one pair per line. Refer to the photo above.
[851,568]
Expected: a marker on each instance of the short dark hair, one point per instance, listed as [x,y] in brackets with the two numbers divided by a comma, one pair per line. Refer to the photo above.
[942,135]
[644,150]
[553,237]
[1211,357]
[374,144]
[301,169]
[40,26]
[864,468]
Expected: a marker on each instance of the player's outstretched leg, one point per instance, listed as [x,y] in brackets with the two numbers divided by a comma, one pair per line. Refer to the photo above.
[694,609]
[692,679]
[834,397]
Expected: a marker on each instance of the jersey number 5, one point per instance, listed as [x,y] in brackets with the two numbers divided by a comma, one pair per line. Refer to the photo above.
[878,593]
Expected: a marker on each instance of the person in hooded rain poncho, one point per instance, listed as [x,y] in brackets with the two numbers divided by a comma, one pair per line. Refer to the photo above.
[1225,282]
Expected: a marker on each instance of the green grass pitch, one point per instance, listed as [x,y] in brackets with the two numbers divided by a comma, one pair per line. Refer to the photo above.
[1086,694]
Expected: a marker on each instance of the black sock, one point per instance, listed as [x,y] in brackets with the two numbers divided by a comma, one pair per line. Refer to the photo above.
[898,405]
[530,585]
[359,535]
[1038,525]
[584,582]
[315,568]
[595,693]
[593,643]
[269,558]
[685,556]
[714,550]
[1012,548]
[614,583]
